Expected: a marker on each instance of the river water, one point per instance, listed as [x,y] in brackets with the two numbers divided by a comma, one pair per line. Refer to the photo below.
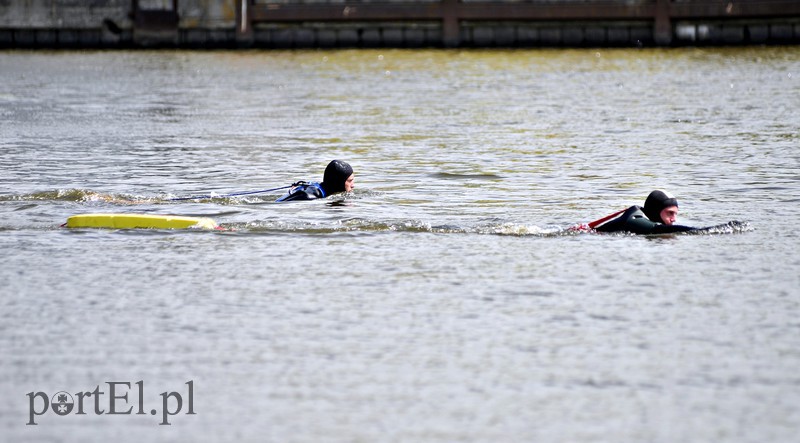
[441,301]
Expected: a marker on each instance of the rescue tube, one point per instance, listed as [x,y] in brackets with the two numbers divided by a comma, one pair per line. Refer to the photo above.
[139,221]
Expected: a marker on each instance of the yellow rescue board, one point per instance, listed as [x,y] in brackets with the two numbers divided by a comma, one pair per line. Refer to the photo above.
[139,221]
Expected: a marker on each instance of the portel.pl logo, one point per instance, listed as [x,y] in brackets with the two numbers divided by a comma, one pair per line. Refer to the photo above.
[114,401]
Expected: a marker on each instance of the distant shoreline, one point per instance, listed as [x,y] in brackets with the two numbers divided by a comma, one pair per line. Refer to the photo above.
[193,24]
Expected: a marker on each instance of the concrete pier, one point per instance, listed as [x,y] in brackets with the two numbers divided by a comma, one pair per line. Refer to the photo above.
[394,23]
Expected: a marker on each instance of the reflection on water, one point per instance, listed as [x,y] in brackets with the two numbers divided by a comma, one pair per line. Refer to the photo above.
[445,299]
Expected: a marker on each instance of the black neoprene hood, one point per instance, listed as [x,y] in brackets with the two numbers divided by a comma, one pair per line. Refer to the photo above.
[656,202]
[336,173]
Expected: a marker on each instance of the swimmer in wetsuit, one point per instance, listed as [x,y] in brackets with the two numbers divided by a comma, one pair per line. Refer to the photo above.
[656,217]
[338,178]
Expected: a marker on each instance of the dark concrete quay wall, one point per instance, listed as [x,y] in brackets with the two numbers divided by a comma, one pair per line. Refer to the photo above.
[336,23]
[568,34]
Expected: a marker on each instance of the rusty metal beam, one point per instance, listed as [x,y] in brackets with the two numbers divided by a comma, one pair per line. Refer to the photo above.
[662,25]
[551,11]
[436,11]
[346,12]
[451,12]
[610,10]
[715,9]
[451,32]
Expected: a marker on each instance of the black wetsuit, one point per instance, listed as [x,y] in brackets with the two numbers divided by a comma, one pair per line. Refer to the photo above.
[304,191]
[334,181]
[635,221]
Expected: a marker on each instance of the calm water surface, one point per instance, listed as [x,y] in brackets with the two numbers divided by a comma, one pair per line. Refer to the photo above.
[442,300]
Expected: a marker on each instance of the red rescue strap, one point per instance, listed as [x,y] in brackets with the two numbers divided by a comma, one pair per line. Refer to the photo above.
[599,222]
[596,223]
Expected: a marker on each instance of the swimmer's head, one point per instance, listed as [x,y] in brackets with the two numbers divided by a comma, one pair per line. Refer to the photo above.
[338,177]
[661,207]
